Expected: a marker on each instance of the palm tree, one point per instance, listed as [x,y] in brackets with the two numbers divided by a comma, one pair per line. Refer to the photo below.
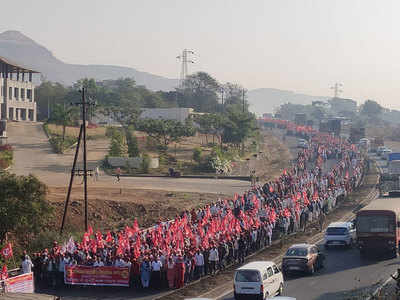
[63,116]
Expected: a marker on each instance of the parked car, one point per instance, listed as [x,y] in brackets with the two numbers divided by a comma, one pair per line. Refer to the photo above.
[302,258]
[340,234]
[263,279]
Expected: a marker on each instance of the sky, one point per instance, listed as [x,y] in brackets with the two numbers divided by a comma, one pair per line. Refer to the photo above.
[299,45]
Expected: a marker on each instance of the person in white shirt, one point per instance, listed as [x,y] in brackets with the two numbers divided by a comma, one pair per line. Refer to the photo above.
[156,266]
[199,268]
[213,259]
[26,264]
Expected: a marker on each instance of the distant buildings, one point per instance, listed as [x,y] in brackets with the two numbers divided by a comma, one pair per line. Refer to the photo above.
[17,92]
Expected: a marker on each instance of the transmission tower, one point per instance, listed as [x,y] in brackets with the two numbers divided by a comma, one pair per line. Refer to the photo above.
[185,60]
[337,89]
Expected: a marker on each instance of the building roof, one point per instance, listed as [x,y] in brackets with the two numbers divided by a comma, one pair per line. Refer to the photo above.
[16,67]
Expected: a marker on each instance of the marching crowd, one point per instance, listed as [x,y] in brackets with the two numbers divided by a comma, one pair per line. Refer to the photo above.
[201,242]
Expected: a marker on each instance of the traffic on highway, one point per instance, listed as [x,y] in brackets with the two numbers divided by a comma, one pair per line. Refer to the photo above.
[355,257]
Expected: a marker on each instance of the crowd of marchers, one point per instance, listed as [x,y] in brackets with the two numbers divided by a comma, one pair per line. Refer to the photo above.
[204,241]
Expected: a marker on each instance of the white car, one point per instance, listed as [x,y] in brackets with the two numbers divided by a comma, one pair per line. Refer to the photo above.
[380,150]
[340,234]
[262,279]
[385,153]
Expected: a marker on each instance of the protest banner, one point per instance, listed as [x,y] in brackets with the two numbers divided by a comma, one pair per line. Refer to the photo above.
[20,284]
[101,276]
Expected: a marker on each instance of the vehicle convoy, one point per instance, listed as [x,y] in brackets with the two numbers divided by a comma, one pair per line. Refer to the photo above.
[261,279]
[378,227]
[303,258]
[340,234]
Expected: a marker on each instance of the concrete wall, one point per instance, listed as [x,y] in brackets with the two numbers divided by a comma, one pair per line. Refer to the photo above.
[131,162]
[177,113]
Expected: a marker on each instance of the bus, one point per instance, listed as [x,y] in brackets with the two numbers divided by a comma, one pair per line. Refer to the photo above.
[378,227]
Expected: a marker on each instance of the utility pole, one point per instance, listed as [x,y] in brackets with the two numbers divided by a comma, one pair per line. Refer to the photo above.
[185,60]
[337,89]
[243,98]
[222,99]
[82,134]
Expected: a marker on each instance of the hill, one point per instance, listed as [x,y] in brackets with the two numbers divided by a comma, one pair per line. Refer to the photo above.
[264,100]
[21,49]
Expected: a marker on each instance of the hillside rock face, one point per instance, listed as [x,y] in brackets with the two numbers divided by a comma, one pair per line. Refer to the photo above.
[20,49]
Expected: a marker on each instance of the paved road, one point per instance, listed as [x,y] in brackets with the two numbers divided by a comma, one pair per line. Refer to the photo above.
[33,155]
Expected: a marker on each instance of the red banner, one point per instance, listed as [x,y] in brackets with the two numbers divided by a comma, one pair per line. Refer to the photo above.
[20,284]
[86,275]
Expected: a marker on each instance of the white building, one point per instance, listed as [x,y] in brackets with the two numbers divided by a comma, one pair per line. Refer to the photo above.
[17,92]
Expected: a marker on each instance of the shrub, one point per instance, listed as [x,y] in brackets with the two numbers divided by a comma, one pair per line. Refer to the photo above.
[197,152]
[145,163]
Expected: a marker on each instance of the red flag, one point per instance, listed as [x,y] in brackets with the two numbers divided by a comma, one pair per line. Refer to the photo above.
[7,251]
[4,272]
[109,238]
[135,226]
[90,230]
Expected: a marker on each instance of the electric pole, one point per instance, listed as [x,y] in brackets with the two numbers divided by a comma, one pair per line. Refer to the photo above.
[337,89]
[185,60]
[243,98]
[85,171]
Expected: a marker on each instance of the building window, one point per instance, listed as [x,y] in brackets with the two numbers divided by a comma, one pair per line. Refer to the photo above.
[10,93]
[16,93]
[22,94]
[29,94]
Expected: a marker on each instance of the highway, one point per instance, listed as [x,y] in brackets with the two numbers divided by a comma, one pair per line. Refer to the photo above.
[345,275]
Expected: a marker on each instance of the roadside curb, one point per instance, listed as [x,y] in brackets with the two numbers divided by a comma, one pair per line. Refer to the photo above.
[244,178]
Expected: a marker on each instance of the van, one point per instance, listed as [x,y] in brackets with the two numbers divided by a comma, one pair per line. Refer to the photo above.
[263,279]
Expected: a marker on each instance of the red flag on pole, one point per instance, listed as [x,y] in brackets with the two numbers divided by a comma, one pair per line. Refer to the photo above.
[7,251]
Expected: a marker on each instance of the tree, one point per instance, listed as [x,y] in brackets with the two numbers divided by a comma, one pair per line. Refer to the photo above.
[200,91]
[210,124]
[237,127]
[165,131]
[131,140]
[47,95]
[117,145]
[234,97]
[24,210]
[371,109]
[64,116]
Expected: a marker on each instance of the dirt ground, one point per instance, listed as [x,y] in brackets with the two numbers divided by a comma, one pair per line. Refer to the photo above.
[113,208]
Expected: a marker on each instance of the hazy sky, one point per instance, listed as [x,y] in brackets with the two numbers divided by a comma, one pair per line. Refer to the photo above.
[300,45]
